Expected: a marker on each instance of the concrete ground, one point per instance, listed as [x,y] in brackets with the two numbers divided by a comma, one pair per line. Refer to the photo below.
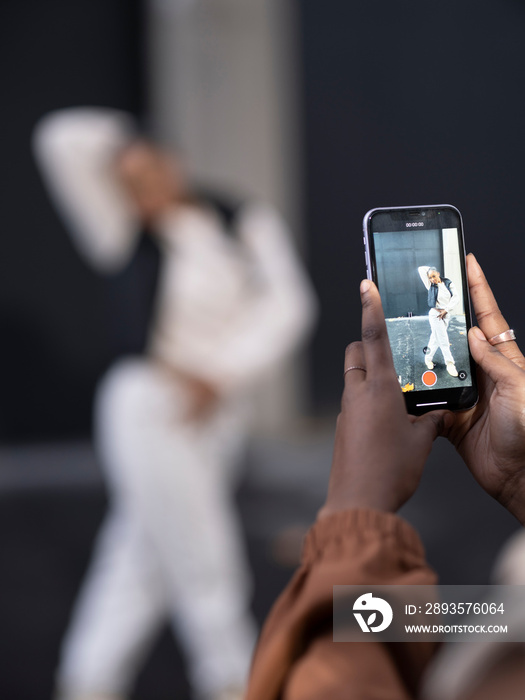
[409,336]
[52,499]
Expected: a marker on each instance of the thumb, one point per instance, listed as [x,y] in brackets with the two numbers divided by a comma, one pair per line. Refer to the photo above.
[498,367]
[432,425]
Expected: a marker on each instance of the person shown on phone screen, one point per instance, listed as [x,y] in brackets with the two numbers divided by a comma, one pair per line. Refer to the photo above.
[442,298]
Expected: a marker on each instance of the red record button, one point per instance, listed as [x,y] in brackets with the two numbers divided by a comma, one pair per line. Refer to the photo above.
[429,378]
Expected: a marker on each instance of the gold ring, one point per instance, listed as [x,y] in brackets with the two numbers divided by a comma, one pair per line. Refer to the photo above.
[503,337]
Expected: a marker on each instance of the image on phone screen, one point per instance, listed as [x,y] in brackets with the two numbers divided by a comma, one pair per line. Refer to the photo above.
[420,274]
[421,286]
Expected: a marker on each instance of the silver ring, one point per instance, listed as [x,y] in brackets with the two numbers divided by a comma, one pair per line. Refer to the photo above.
[503,337]
[349,369]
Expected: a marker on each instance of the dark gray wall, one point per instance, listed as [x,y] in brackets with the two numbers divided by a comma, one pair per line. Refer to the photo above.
[54,344]
[398,256]
[409,103]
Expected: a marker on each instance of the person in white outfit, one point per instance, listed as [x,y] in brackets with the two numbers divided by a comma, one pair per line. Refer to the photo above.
[170,424]
[442,298]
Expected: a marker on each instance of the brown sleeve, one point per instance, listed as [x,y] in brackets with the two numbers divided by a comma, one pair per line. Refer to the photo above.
[296,658]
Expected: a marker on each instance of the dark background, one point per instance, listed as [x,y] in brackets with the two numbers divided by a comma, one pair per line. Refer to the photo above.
[401,104]
[55,322]
[406,104]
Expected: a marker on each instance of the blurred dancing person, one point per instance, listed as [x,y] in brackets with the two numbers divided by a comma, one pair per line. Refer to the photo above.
[231,301]
[442,298]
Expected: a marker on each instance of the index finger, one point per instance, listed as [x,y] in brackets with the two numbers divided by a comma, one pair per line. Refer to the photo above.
[378,355]
[490,319]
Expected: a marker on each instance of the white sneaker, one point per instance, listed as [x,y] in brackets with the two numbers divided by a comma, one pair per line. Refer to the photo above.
[230,693]
[72,695]
[451,369]
[429,363]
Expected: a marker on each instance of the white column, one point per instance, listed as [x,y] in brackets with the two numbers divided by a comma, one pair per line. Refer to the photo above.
[223,91]
[452,265]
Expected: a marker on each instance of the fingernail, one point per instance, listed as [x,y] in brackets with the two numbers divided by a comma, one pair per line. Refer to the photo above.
[474,260]
[479,333]
[365,286]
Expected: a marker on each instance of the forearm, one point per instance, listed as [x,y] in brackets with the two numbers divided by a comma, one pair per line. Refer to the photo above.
[454,299]
[75,149]
[283,307]
[423,273]
[296,657]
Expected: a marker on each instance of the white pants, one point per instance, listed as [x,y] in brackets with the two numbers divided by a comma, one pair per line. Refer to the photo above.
[439,336]
[171,545]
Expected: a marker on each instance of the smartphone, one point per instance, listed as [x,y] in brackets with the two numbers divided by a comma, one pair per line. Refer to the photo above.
[416,257]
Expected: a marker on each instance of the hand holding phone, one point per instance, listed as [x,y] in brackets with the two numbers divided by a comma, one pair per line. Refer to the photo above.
[380,449]
[416,257]
[491,437]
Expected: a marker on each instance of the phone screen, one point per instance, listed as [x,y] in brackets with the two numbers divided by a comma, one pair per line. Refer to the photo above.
[416,257]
